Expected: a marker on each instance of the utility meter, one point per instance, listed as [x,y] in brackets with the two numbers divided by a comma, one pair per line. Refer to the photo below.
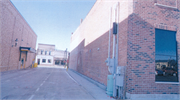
[110,64]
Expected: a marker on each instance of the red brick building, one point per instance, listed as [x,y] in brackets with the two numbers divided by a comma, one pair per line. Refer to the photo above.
[148,35]
[17,39]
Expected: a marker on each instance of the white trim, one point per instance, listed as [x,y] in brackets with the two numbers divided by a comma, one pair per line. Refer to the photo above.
[168,82]
[161,5]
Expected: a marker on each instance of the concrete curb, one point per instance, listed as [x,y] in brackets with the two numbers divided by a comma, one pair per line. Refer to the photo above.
[100,85]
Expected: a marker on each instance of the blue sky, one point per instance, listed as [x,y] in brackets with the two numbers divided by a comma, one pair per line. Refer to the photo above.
[54,20]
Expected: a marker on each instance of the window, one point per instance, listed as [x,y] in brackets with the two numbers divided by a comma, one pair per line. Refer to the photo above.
[57,62]
[43,60]
[41,52]
[166,69]
[49,52]
[49,60]
[45,52]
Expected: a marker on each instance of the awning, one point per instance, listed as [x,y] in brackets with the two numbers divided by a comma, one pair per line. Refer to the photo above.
[26,49]
[31,50]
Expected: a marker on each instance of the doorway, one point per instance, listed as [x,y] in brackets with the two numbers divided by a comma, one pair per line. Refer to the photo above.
[22,63]
[38,61]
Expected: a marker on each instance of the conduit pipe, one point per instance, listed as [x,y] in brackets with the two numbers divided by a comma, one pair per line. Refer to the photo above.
[109,33]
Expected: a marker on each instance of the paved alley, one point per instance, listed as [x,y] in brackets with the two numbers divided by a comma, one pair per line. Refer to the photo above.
[48,83]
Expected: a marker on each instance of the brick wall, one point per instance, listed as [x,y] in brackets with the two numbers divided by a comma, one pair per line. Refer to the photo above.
[141,46]
[89,43]
[13,26]
[138,20]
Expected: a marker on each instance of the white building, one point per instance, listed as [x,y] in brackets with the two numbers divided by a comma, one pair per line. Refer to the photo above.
[47,55]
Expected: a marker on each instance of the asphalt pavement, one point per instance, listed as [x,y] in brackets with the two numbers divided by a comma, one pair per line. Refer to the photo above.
[52,82]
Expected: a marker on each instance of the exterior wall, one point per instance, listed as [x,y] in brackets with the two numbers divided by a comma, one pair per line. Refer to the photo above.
[138,20]
[89,43]
[13,26]
[141,46]
[48,48]
[45,47]
[59,54]
[56,55]
[45,57]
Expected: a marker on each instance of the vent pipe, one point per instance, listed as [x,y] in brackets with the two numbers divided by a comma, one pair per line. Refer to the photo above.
[81,21]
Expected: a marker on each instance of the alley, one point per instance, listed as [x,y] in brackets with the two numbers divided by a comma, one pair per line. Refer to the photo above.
[41,83]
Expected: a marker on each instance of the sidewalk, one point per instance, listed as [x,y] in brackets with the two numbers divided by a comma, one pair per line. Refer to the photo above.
[95,89]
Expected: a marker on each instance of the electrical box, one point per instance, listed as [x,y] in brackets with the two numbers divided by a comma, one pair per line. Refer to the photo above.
[110,64]
[120,75]
[119,80]
[120,70]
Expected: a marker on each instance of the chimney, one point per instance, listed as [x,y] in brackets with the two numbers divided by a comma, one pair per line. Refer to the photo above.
[81,21]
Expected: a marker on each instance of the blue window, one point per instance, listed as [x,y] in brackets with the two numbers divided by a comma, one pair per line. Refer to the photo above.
[166,69]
